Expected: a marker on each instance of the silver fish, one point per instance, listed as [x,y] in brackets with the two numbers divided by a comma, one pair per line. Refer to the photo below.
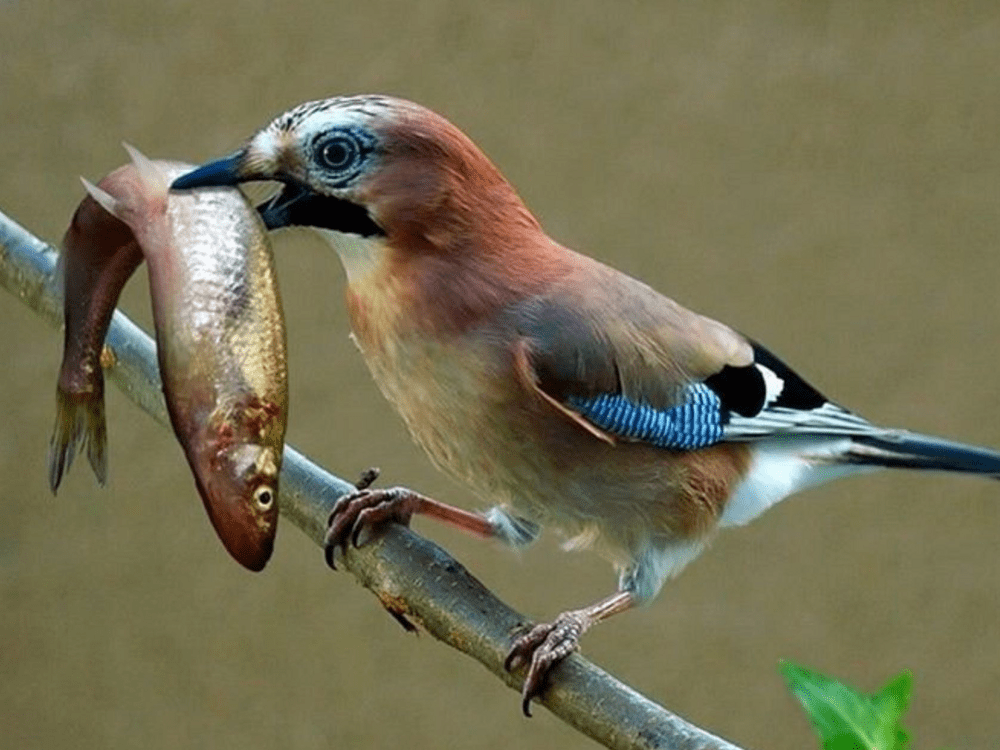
[220,343]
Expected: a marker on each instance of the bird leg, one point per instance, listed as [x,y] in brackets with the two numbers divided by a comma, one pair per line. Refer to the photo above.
[547,644]
[367,508]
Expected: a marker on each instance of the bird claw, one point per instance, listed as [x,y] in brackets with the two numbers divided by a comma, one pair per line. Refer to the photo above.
[366,509]
[543,647]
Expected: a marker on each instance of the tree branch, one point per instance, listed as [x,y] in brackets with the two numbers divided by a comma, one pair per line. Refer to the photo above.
[412,577]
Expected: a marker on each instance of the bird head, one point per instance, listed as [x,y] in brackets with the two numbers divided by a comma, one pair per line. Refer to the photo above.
[372,167]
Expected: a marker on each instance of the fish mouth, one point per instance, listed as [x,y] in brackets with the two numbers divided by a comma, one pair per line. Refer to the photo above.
[254,559]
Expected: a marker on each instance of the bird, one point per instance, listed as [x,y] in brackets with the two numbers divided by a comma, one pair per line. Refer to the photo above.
[566,393]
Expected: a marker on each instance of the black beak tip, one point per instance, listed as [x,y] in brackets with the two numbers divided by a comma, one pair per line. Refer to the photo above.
[222,172]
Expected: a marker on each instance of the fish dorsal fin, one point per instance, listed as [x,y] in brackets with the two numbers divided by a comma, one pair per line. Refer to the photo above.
[149,173]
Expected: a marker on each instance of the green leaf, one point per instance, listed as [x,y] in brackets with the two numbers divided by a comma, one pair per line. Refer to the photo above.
[894,699]
[847,719]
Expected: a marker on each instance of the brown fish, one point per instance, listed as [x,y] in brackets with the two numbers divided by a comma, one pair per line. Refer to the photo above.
[99,255]
[220,341]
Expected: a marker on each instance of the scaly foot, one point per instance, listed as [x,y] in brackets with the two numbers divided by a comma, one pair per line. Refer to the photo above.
[366,509]
[542,648]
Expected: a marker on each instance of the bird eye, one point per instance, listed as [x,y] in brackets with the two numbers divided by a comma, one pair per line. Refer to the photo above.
[264,497]
[337,153]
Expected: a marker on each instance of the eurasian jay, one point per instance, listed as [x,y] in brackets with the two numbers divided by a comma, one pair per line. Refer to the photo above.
[569,393]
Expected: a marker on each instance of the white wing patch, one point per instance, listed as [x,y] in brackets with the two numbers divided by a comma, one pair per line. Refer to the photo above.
[773,385]
[828,419]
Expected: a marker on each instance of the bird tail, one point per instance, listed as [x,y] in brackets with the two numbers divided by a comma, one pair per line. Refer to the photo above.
[907,450]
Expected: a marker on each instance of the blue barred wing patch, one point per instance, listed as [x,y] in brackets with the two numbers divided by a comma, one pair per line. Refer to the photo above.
[696,423]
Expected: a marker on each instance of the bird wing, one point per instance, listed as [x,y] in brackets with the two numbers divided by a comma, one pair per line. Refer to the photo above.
[626,363]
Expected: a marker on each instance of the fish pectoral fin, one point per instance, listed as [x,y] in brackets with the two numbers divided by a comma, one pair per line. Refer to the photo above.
[148,171]
[107,201]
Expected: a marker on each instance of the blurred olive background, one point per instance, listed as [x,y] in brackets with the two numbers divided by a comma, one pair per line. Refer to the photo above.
[823,176]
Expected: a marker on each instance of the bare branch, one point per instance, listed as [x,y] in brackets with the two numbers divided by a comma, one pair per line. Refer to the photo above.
[412,577]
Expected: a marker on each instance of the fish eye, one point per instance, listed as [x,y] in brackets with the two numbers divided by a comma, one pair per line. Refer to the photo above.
[337,153]
[264,497]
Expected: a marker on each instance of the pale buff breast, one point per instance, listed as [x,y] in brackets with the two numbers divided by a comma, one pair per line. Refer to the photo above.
[444,389]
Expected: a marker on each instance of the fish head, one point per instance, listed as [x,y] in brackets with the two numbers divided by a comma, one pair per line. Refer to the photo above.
[237,477]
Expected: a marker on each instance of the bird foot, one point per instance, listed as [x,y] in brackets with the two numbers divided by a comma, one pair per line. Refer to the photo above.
[543,647]
[366,509]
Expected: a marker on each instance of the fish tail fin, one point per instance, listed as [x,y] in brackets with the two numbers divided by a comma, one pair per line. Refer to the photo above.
[79,422]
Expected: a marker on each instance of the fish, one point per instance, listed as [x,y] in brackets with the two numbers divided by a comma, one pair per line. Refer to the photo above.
[99,255]
[220,337]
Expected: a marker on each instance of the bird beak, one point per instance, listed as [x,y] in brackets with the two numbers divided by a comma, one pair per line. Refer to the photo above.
[237,168]
[228,171]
